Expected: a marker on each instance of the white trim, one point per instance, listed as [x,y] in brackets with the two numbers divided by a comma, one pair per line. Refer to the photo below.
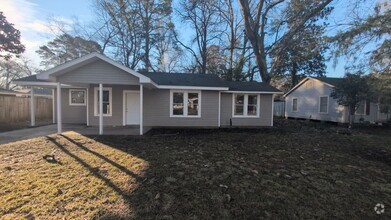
[70,97]
[124,104]
[32,107]
[192,87]
[29,83]
[301,83]
[271,123]
[53,107]
[141,109]
[86,58]
[185,100]
[101,108]
[327,109]
[59,113]
[110,101]
[252,92]
[245,106]
[88,107]
[219,114]
[297,104]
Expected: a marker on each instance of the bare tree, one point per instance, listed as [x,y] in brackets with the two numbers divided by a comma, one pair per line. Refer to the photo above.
[204,18]
[257,16]
[14,69]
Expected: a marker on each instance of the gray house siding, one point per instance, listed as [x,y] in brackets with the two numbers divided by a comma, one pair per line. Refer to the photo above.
[70,114]
[157,110]
[264,119]
[308,103]
[116,118]
[98,72]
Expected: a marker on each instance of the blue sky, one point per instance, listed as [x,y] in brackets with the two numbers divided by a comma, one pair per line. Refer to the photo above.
[31,17]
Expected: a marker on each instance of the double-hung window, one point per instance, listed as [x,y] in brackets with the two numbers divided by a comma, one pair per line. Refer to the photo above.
[323,104]
[185,104]
[77,97]
[245,105]
[294,104]
[107,101]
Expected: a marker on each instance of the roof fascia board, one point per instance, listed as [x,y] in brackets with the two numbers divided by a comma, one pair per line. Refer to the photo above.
[297,86]
[191,87]
[46,74]
[252,92]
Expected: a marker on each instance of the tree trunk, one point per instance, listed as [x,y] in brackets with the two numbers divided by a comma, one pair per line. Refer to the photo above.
[352,111]
[294,79]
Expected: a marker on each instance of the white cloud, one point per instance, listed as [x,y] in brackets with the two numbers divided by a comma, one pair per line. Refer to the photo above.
[27,17]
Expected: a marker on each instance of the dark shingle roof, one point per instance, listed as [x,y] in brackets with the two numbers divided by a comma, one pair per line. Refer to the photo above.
[206,80]
[32,78]
[330,80]
[186,79]
[251,86]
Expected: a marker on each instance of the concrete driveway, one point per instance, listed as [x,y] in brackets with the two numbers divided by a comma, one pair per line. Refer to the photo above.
[23,134]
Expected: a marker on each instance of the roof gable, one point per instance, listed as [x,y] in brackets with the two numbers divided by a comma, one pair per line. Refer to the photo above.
[330,81]
[82,61]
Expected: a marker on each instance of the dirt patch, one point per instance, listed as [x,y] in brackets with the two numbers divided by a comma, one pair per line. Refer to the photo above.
[298,169]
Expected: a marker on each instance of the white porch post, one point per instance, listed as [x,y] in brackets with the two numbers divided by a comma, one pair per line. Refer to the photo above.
[219,114]
[32,107]
[53,107]
[87,107]
[59,116]
[141,108]
[100,109]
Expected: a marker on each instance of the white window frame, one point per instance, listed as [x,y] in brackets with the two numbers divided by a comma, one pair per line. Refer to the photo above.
[297,104]
[77,90]
[185,99]
[245,106]
[96,90]
[328,102]
[364,108]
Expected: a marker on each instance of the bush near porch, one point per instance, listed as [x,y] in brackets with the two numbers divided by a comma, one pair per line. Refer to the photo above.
[298,169]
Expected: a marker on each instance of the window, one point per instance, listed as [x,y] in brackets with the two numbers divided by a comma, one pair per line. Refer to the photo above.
[107,101]
[245,105]
[294,104]
[323,104]
[77,97]
[363,108]
[185,104]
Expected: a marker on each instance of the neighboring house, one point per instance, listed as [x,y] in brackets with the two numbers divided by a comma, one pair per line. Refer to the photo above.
[97,91]
[310,99]
[8,92]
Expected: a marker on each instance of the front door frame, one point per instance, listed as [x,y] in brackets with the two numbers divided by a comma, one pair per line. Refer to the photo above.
[124,104]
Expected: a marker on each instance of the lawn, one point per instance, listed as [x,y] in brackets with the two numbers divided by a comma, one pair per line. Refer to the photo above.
[297,169]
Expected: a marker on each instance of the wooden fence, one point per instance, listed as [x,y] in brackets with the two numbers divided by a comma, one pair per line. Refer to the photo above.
[17,109]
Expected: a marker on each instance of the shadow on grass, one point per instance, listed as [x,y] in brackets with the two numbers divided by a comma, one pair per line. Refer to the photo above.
[120,167]
[96,173]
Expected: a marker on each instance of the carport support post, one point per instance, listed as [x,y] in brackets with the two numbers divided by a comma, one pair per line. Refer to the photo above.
[141,108]
[59,116]
[100,109]
[32,107]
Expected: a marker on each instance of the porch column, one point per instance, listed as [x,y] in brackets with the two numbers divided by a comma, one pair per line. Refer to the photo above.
[100,109]
[141,108]
[53,107]
[87,107]
[59,115]
[32,107]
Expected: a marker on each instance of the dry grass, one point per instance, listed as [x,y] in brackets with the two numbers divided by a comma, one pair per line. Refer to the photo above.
[297,170]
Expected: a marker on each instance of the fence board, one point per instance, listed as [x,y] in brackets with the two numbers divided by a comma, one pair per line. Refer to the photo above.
[17,109]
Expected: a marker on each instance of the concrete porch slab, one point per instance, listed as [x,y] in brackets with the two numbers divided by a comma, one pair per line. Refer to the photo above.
[23,134]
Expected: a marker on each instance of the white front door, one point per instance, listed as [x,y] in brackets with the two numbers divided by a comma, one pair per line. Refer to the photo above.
[132,108]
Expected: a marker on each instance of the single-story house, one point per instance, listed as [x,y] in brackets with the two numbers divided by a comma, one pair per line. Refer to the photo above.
[310,99]
[97,91]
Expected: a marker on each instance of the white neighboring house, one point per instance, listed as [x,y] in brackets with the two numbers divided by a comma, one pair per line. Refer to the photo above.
[310,99]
